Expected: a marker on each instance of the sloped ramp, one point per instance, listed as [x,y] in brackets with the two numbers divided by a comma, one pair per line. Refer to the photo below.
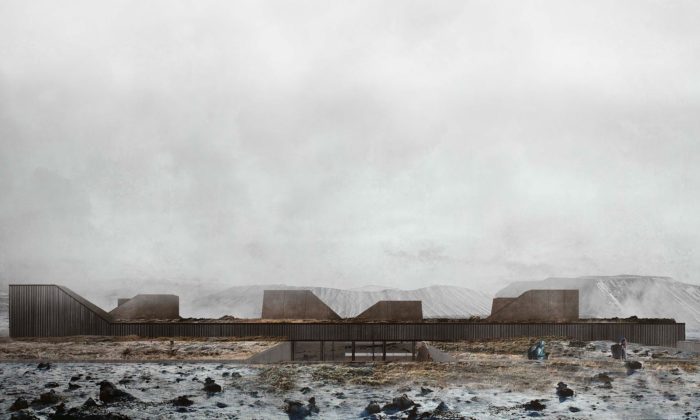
[394,310]
[281,352]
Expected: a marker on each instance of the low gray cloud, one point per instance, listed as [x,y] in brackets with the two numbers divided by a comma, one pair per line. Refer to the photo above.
[315,142]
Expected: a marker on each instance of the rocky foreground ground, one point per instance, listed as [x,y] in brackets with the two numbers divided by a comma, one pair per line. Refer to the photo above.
[490,380]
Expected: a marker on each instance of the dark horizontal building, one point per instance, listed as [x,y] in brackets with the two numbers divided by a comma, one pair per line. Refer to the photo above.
[55,311]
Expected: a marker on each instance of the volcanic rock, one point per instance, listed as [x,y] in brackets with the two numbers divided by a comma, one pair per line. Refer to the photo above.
[297,409]
[399,404]
[23,415]
[211,386]
[47,398]
[534,405]
[373,407]
[602,377]
[633,365]
[111,394]
[19,404]
[182,401]
[563,391]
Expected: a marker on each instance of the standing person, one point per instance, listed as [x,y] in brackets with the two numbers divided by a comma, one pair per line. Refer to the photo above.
[623,346]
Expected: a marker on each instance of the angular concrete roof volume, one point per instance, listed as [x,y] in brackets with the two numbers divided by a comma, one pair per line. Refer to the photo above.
[148,307]
[538,305]
[295,304]
[394,310]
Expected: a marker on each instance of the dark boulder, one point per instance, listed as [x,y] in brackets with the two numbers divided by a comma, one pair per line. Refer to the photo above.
[563,391]
[441,408]
[441,412]
[43,366]
[425,391]
[633,365]
[111,394]
[60,409]
[81,413]
[534,405]
[211,386]
[182,401]
[297,410]
[602,377]
[24,415]
[399,404]
[88,411]
[47,398]
[19,404]
[89,403]
[373,407]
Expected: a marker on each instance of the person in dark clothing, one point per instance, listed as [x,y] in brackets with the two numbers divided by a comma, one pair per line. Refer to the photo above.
[623,347]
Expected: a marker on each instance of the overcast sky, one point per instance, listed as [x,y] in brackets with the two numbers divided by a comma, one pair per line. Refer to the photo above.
[341,144]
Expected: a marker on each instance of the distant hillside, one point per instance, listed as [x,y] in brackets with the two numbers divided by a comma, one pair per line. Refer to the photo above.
[623,296]
[438,301]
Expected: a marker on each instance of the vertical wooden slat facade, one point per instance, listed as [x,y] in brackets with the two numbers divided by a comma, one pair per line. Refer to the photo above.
[43,310]
[54,311]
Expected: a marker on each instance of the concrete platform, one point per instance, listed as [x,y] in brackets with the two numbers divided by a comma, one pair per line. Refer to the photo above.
[689,345]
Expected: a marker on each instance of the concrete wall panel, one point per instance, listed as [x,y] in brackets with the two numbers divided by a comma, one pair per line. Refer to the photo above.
[295,304]
[394,310]
[148,307]
[538,305]
[499,302]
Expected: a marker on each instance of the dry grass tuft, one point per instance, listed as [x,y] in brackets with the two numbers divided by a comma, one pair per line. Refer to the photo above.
[279,377]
